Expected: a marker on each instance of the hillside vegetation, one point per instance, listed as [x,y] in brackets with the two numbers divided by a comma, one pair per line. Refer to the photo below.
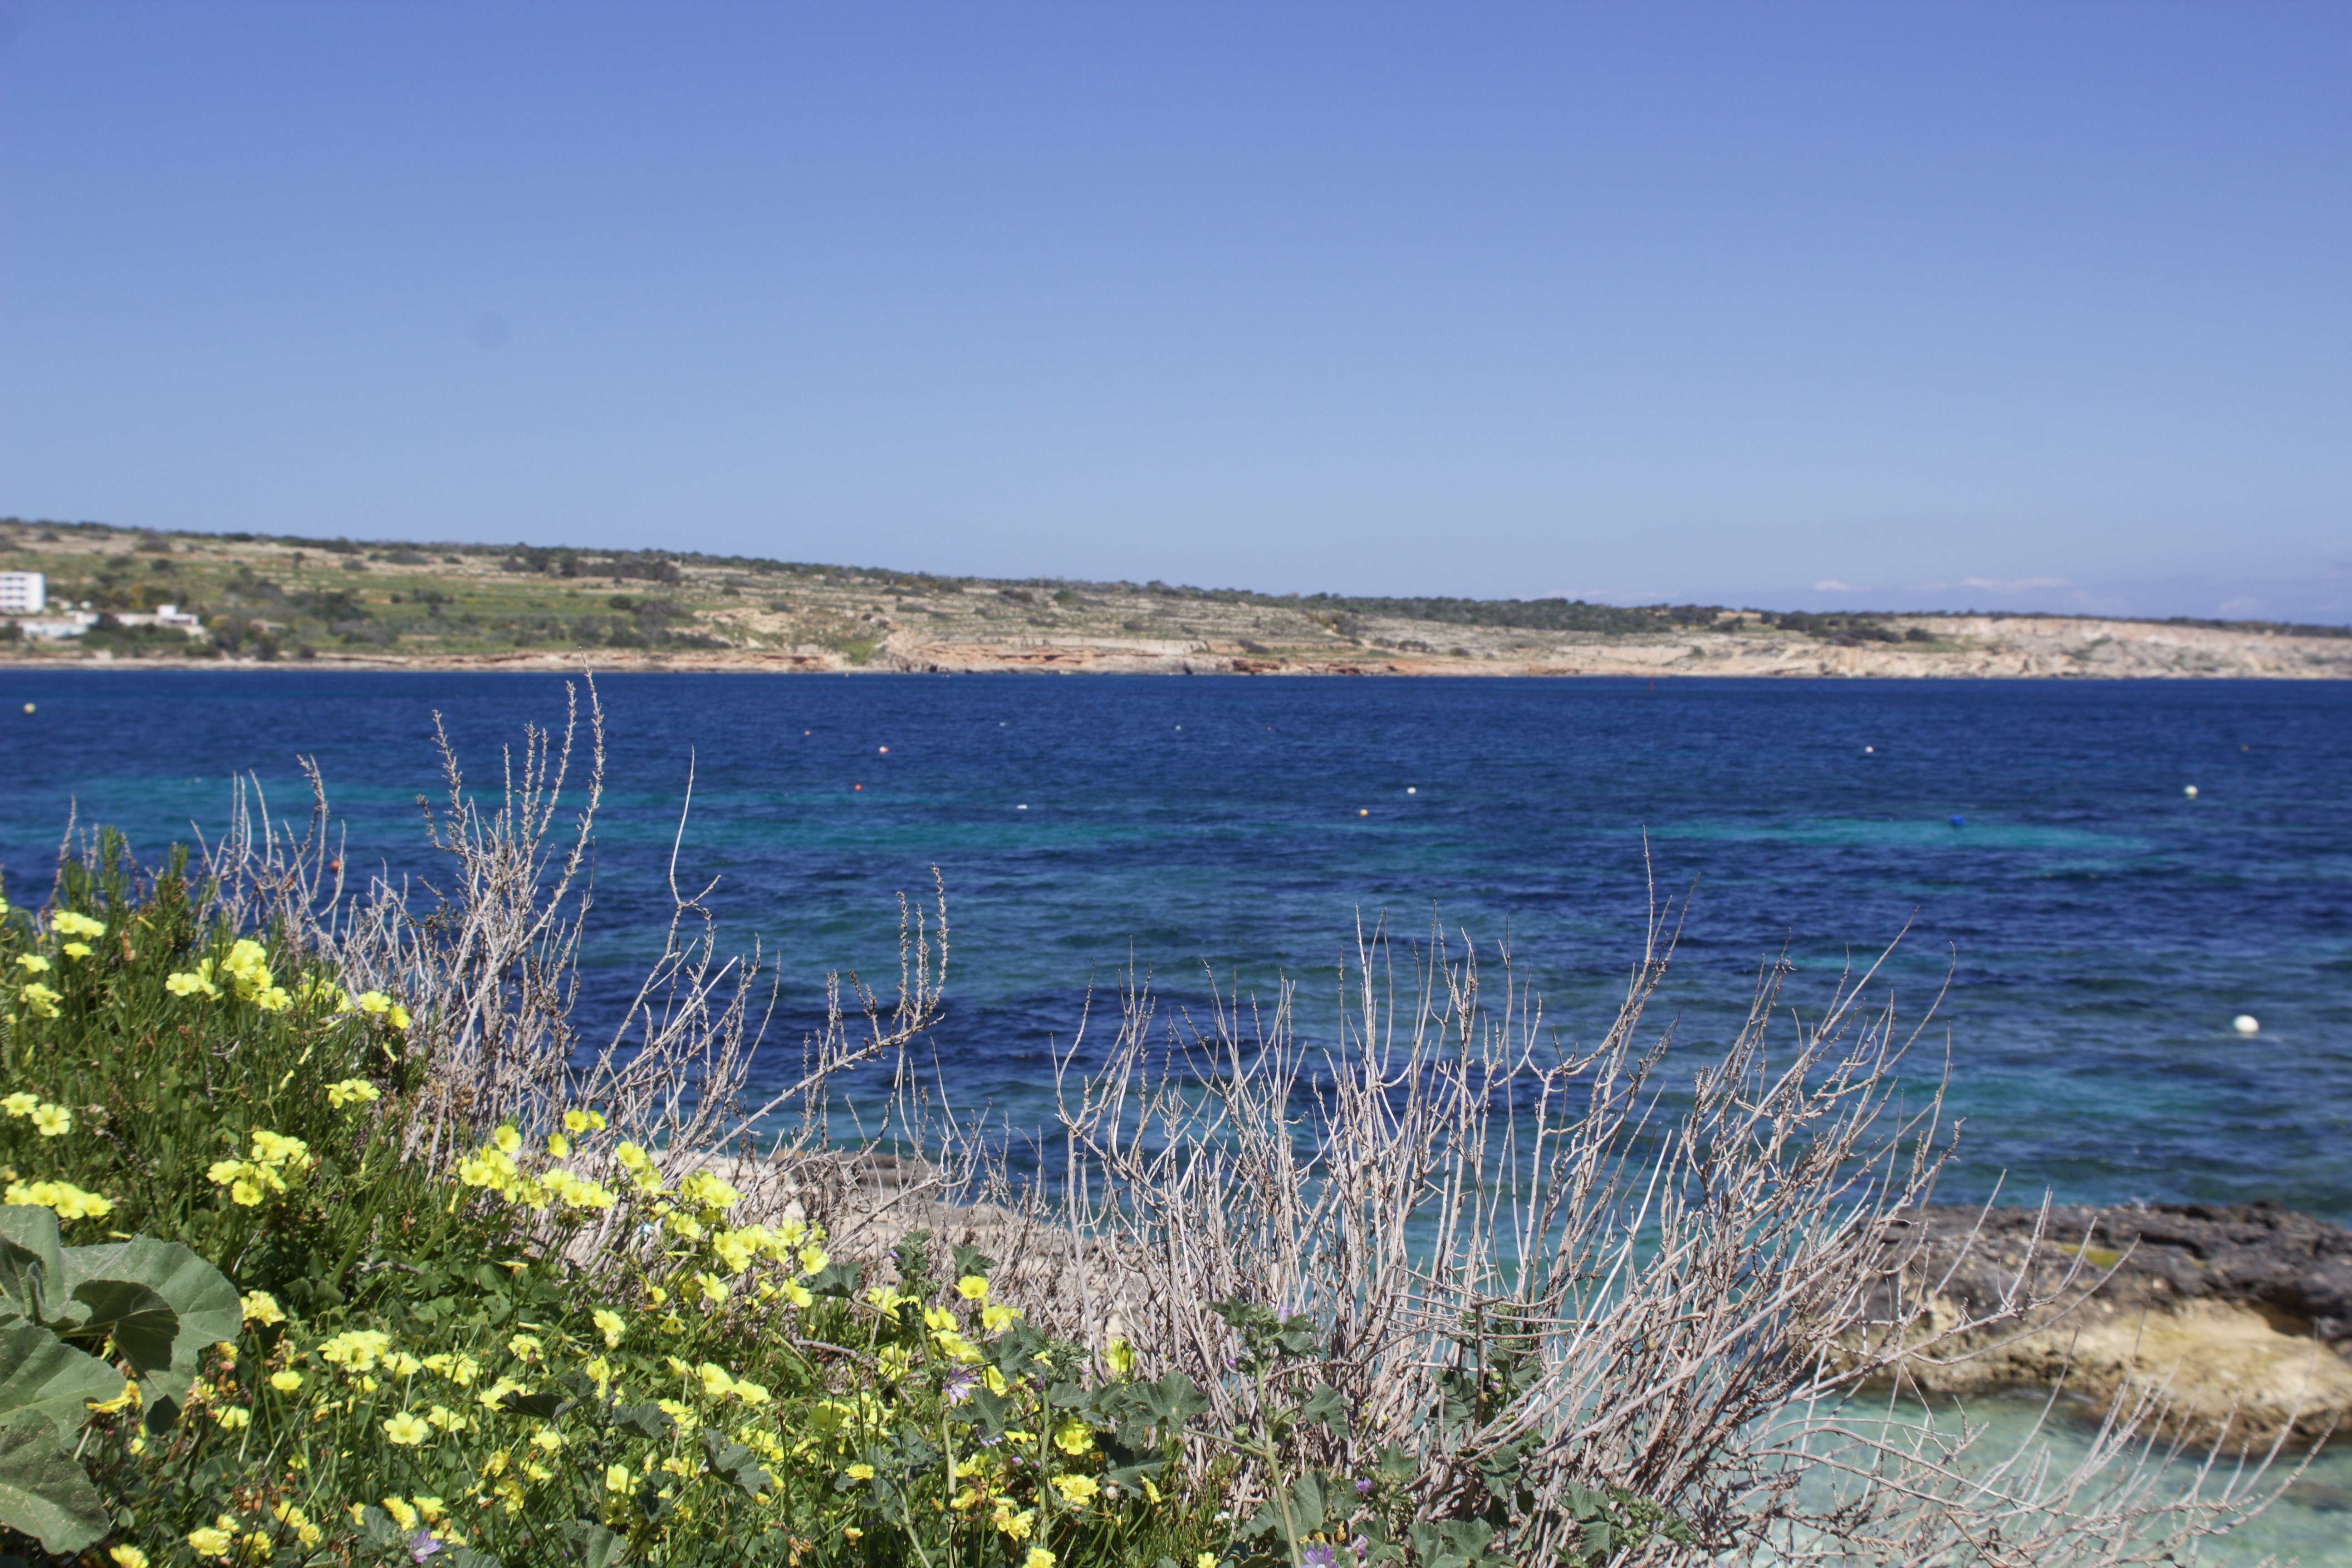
[267,598]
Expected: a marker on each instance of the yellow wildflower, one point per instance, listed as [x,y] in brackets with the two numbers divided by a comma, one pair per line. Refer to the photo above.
[233,1417]
[33,963]
[973,1288]
[352,1091]
[210,1543]
[508,1140]
[406,1429]
[66,922]
[39,1000]
[69,1201]
[261,1307]
[52,1120]
[584,1122]
[74,949]
[20,1104]
[126,1400]
[402,1514]
[1038,1558]
[127,1556]
[1074,1437]
[286,1382]
[1077,1490]
[1016,1525]
[609,1324]
[617,1479]
[860,1472]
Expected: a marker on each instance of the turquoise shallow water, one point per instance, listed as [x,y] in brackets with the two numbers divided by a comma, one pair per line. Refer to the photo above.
[2099,927]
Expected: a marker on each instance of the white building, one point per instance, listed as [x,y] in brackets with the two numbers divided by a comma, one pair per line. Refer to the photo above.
[71,624]
[22,592]
[164,615]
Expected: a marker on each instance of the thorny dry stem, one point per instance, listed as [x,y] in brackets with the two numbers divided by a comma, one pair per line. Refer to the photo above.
[1718,1289]
[486,959]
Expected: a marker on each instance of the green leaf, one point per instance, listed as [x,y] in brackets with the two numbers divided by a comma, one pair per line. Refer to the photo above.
[380,1527]
[466,1557]
[1174,1400]
[646,1420]
[1328,1405]
[973,1260]
[1306,1505]
[834,1280]
[547,1404]
[42,1376]
[598,1546]
[32,1264]
[142,1322]
[44,1493]
[206,1302]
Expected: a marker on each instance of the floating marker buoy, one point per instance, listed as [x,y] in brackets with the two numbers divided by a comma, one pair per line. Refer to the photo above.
[1363,814]
[2246,1024]
[2190,791]
[1411,790]
[28,707]
[857,786]
[884,751]
[1023,807]
[1960,821]
[1869,751]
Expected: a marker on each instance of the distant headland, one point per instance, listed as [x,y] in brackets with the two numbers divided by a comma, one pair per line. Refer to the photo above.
[88,594]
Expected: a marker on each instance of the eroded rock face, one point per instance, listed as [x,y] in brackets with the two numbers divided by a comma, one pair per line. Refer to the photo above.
[2238,1317]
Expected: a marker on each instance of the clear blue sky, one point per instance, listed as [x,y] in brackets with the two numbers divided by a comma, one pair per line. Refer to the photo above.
[2034,304]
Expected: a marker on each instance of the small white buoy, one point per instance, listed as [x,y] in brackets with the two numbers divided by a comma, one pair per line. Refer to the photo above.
[2190,792]
[1365,813]
[885,750]
[1411,790]
[1869,751]
[28,707]
[1023,807]
[2246,1024]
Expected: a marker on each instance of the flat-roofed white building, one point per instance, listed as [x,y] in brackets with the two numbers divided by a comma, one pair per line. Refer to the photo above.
[22,592]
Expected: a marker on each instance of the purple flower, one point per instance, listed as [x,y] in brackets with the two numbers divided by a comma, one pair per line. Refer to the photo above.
[1320,1557]
[1364,1489]
[958,1388]
[422,1546]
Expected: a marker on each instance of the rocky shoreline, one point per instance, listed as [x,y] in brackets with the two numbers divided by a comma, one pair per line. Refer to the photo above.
[1953,648]
[2237,1318]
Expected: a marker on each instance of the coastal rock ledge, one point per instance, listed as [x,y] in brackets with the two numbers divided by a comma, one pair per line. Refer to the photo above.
[2237,1317]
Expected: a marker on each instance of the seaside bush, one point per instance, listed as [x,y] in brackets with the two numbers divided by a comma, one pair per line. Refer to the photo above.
[1440,1294]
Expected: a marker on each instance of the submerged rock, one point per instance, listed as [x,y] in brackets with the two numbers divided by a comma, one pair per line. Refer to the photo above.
[2235,1319]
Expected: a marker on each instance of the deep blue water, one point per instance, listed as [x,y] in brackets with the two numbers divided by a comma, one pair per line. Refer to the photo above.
[2100,928]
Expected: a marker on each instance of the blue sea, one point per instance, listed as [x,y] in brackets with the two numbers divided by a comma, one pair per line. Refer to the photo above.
[2032,843]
